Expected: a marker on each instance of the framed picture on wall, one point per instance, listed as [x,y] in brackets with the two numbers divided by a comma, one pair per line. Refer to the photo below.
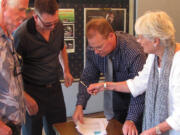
[68,30]
[66,15]
[70,45]
[115,16]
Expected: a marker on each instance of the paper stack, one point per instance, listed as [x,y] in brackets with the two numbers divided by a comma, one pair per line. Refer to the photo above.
[93,126]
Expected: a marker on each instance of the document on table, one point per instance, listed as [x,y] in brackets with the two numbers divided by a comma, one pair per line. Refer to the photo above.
[92,126]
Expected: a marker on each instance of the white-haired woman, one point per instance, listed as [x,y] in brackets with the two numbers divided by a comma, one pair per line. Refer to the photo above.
[160,77]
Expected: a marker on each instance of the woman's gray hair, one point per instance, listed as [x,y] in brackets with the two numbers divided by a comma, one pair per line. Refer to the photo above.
[156,24]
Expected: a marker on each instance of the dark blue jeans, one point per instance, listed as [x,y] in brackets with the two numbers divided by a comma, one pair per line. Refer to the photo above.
[33,126]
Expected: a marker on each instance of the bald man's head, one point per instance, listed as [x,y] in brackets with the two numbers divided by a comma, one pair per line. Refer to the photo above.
[13,13]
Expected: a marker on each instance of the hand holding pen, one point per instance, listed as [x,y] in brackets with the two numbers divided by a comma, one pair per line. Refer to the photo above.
[86,86]
[98,87]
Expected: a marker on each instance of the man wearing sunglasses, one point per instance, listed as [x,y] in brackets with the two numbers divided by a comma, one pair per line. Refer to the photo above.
[12,106]
[40,42]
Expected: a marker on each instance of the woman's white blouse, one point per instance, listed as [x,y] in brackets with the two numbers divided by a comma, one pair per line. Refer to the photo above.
[138,85]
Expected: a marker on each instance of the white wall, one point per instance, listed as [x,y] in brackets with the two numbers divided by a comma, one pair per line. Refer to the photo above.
[172,7]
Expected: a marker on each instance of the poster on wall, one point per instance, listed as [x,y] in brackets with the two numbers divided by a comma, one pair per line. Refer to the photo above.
[70,45]
[115,16]
[68,30]
[67,17]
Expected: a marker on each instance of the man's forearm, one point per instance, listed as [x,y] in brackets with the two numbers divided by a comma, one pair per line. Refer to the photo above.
[82,97]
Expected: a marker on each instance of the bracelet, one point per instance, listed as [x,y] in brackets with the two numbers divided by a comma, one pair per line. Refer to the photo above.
[158,131]
[105,85]
[131,121]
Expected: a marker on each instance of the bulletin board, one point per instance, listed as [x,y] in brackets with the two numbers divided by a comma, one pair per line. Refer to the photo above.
[76,40]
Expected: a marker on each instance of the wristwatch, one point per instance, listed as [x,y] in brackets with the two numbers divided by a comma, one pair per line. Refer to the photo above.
[158,131]
[105,85]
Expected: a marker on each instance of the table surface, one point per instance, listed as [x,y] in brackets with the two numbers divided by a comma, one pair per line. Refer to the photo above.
[68,128]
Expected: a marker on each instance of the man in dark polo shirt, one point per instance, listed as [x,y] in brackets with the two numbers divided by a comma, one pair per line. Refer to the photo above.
[40,42]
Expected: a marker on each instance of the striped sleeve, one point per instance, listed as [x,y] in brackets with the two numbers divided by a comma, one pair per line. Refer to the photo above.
[90,75]
[136,108]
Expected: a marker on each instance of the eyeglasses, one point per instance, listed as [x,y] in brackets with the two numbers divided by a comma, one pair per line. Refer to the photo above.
[98,48]
[141,37]
[48,24]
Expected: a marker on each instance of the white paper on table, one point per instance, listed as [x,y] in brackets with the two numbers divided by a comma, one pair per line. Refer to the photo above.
[92,126]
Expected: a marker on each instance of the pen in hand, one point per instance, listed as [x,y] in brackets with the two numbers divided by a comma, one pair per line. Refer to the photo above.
[85,86]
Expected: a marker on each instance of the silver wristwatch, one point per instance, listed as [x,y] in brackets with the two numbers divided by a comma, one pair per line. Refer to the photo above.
[158,131]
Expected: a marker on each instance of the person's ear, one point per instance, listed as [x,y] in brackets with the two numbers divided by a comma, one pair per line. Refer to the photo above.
[35,16]
[156,42]
[111,35]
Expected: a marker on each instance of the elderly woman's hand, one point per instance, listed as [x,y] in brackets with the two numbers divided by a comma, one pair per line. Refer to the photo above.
[93,89]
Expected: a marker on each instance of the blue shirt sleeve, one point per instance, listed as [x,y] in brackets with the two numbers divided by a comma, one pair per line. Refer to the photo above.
[136,108]
[90,75]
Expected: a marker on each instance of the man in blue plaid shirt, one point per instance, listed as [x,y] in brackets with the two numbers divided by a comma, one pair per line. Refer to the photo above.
[127,59]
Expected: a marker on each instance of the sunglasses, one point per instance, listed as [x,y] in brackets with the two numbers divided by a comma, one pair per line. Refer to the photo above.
[48,24]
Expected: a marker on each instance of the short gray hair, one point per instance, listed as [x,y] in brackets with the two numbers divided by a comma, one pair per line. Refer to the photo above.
[156,24]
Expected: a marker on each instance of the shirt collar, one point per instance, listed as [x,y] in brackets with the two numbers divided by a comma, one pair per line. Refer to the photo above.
[31,27]
[2,34]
